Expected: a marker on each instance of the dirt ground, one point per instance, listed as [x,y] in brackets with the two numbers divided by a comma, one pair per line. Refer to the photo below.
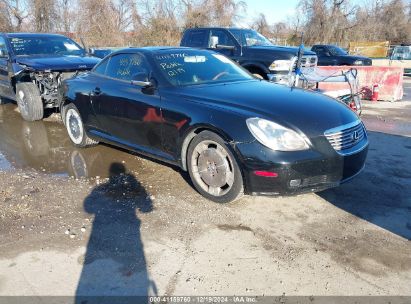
[102,221]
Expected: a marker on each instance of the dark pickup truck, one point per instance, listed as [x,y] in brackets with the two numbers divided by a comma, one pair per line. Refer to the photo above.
[334,55]
[32,67]
[250,49]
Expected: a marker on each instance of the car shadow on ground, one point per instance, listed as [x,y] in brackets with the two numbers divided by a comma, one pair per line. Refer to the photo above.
[381,194]
[114,263]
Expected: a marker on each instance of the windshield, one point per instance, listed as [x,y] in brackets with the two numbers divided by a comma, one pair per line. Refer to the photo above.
[192,67]
[54,45]
[250,38]
[402,53]
[336,51]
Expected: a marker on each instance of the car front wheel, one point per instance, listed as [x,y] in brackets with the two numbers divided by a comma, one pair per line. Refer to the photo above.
[29,101]
[213,168]
[75,128]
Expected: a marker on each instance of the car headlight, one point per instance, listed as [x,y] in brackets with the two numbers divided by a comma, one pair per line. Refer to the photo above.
[358,62]
[275,136]
[280,65]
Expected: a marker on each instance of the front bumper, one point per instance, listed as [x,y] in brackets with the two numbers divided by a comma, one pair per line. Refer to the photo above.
[279,77]
[297,172]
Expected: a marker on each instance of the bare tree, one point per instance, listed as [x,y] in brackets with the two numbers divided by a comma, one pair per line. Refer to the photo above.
[65,11]
[261,25]
[15,14]
[44,15]
[211,12]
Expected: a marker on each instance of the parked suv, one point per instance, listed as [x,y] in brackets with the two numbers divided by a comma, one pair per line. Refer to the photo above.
[334,55]
[250,49]
[32,67]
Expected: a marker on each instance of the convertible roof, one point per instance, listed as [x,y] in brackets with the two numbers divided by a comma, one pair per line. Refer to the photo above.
[26,35]
[151,49]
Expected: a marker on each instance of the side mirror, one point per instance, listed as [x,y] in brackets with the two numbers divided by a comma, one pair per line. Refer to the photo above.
[92,51]
[142,80]
[144,84]
[213,42]
[225,47]
[327,53]
[3,53]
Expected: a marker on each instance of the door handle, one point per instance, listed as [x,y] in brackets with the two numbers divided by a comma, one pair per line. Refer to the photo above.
[96,91]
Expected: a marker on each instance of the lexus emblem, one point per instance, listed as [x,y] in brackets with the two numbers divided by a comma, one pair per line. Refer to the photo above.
[355,136]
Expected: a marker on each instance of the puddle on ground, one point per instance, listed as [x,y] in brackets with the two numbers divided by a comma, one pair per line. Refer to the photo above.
[4,164]
[45,147]
[387,126]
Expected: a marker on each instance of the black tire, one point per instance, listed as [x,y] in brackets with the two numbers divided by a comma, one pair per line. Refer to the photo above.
[258,76]
[29,101]
[75,128]
[258,73]
[214,183]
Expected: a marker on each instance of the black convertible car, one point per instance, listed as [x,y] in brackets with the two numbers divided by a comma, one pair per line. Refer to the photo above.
[233,133]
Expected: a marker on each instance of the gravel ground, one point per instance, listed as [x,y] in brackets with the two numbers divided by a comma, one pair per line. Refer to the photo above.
[103,221]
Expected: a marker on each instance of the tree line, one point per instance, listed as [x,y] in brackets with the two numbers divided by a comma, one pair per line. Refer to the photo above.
[161,22]
[342,21]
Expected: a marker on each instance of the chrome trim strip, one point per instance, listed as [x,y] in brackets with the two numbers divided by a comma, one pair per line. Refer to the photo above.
[338,140]
[343,127]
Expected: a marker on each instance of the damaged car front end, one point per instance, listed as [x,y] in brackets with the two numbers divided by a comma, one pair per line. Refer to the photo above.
[35,66]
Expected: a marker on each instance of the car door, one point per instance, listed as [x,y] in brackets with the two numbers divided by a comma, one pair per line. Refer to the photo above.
[324,56]
[126,112]
[5,88]
[223,42]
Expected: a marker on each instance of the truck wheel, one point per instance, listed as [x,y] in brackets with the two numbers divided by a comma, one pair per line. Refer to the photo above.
[258,76]
[29,101]
[213,168]
[75,128]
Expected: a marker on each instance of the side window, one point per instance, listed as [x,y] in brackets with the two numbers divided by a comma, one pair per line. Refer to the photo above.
[223,37]
[196,38]
[238,35]
[3,47]
[101,67]
[321,50]
[127,67]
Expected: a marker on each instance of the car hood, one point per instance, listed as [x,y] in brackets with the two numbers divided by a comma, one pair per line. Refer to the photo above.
[58,63]
[280,49]
[309,112]
[268,53]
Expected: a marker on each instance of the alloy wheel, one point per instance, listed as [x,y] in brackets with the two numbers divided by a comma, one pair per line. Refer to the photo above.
[74,126]
[212,168]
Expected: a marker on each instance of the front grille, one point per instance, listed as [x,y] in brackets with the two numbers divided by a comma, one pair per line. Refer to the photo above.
[346,137]
[306,62]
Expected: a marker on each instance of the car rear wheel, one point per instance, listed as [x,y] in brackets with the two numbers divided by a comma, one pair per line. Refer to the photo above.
[29,101]
[75,128]
[213,168]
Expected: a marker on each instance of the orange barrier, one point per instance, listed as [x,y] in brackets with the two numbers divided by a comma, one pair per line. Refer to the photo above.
[389,80]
